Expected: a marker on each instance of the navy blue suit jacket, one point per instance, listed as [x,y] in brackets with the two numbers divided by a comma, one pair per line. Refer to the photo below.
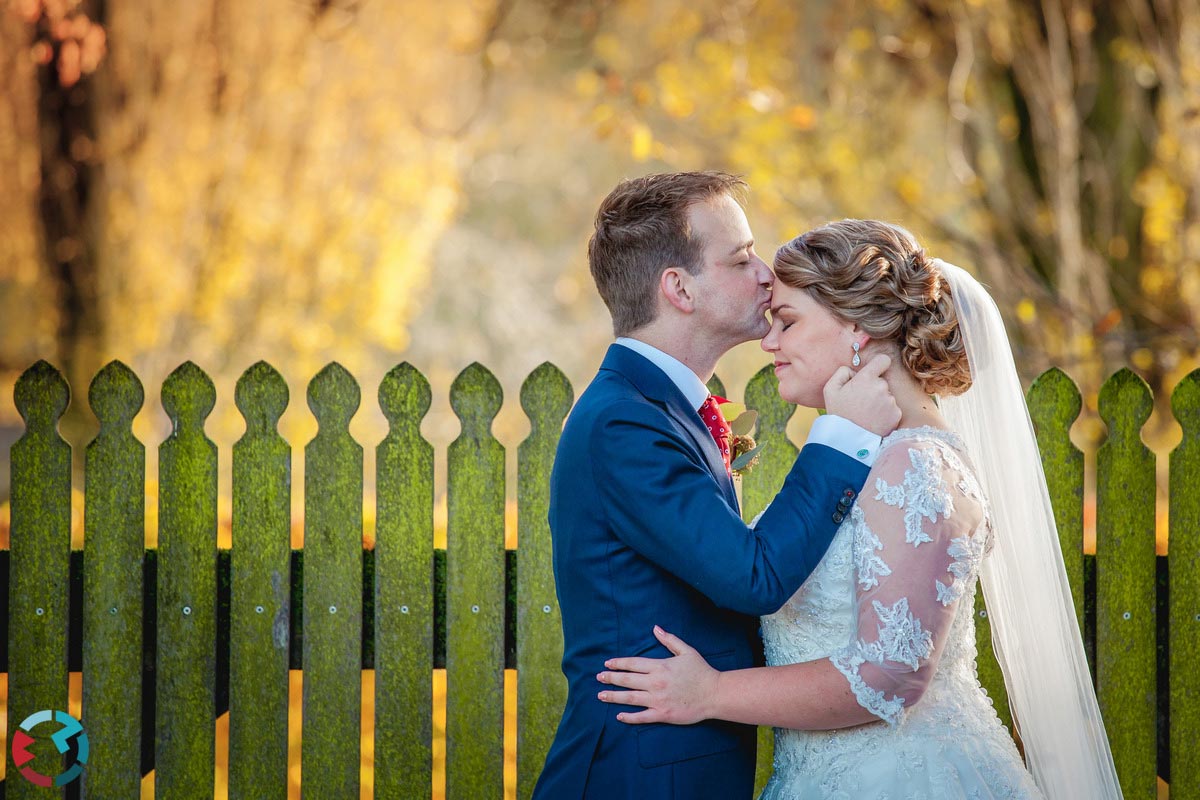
[646,531]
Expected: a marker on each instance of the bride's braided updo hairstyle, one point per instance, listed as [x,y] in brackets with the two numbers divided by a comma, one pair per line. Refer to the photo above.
[878,276]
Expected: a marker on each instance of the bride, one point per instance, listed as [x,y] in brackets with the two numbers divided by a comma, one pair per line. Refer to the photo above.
[871,681]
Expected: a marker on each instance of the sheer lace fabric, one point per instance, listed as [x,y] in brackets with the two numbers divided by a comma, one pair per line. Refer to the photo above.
[891,605]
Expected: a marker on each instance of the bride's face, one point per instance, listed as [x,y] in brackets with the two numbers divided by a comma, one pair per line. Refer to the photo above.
[808,342]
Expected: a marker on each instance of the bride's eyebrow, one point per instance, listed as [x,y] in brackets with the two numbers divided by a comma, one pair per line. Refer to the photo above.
[781,307]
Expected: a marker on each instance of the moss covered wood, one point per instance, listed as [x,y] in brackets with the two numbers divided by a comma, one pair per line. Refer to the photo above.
[401,571]
[260,590]
[475,592]
[546,397]
[186,653]
[333,554]
[1184,561]
[1054,405]
[404,590]
[759,487]
[114,524]
[39,566]
[1125,588]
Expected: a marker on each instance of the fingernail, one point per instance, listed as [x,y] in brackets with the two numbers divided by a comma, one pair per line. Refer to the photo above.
[658,629]
[600,696]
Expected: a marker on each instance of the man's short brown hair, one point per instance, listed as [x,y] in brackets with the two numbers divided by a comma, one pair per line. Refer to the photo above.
[642,229]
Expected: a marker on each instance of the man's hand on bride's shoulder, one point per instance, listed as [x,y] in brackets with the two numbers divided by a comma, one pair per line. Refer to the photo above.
[674,690]
[864,397]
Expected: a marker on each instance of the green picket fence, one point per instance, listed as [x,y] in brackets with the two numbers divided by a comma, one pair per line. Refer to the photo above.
[167,639]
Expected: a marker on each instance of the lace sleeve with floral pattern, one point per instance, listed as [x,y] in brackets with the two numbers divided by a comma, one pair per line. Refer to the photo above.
[919,544]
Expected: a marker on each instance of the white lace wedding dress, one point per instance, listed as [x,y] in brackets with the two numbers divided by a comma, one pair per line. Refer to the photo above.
[891,605]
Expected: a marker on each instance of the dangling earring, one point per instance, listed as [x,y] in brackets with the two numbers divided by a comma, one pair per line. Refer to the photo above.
[856,360]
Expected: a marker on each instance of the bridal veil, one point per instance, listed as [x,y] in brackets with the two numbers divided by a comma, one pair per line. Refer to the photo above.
[1034,629]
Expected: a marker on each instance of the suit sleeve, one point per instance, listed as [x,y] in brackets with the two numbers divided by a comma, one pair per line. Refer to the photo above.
[662,501]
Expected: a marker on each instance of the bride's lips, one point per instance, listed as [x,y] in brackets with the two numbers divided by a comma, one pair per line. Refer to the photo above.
[780,365]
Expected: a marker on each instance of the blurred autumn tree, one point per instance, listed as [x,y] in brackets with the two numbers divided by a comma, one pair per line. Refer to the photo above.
[1054,147]
[366,181]
[232,182]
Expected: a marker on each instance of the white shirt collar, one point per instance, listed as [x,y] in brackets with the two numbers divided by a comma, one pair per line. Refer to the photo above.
[685,380]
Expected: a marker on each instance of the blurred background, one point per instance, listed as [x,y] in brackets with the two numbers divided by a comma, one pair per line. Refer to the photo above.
[371,182]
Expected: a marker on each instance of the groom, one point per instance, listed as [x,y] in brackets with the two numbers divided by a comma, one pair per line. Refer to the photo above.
[643,515]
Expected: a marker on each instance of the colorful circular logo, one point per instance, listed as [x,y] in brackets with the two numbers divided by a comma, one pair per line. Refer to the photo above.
[70,731]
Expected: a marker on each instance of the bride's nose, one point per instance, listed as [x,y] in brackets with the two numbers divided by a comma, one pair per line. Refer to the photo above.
[770,342]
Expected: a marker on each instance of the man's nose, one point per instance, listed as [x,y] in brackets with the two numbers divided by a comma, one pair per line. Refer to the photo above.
[766,276]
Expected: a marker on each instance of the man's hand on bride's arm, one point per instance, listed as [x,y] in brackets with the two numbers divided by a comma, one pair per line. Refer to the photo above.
[674,690]
[684,689]
[864,397]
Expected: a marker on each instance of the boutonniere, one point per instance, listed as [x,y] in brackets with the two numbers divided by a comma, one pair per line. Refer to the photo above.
[742,447]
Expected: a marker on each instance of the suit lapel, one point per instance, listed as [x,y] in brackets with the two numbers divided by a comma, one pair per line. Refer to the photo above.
[655,385]
[701,435]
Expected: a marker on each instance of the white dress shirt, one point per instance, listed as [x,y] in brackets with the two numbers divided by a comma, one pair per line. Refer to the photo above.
[828,429]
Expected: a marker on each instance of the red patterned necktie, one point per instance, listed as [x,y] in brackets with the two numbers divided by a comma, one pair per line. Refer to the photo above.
[714,420]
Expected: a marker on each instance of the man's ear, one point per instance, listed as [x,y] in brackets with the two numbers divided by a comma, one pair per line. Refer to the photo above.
[675,284]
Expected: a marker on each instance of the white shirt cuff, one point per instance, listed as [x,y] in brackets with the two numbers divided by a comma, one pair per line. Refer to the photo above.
[844,436]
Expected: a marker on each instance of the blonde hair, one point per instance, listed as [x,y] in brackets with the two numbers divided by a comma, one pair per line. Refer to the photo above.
[876,275]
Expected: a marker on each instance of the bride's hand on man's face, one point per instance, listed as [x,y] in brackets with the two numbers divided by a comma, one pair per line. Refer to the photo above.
[864,397]
[674,690]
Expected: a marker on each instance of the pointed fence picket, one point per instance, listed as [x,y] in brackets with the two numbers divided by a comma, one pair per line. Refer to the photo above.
[39,563]
[114,538]
[1126,608]
[185,661]
[546,398]
[759,486]
[404,591]
[475,592]
[1184,605]
[402,608]
[260,590]
[1054,405]
[333,556]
